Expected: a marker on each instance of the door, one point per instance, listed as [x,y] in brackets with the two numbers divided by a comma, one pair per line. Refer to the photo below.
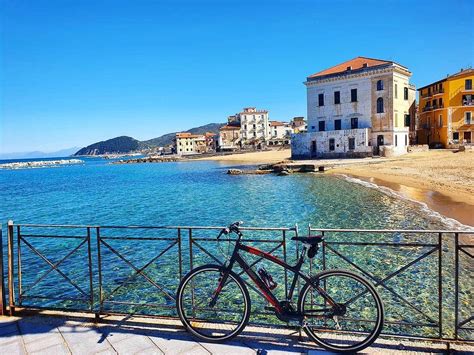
[467,137]
[313,149]
[379,143]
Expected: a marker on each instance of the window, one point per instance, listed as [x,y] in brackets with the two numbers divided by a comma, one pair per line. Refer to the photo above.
[440,121]
[396,140]
[331,144]
[379,85]
[354,123]
[313,127]
[468,117]
[351,143]
[337,97]
[337,125]
[455,136]
[405,93]
[353,95]
[379,105]
[407,120]
[468,84]
[406,139]
[321,99]
[396,91]
[322,126]
[440,101]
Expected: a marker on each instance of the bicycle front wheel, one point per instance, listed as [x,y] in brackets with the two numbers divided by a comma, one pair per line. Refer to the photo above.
[349,325]
[213,322]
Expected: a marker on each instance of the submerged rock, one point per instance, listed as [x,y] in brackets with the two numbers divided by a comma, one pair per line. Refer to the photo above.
[234,172]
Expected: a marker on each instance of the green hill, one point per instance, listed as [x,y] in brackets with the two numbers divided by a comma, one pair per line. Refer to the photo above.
[126,144]
[121,144]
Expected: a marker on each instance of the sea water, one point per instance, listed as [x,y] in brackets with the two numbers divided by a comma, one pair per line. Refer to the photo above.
[200,193]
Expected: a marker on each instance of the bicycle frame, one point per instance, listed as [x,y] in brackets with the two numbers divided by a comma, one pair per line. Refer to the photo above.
[270,297]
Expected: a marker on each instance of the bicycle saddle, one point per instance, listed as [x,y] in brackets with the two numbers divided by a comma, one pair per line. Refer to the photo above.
[311,240]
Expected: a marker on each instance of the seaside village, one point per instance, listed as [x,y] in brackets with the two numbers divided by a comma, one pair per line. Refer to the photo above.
[360,108]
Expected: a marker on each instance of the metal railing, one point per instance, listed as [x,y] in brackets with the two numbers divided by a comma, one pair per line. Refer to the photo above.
[424,276]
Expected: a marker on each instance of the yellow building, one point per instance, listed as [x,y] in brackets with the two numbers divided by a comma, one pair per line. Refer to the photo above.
[446,111]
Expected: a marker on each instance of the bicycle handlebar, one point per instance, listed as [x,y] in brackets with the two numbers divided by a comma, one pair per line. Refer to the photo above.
[234,227]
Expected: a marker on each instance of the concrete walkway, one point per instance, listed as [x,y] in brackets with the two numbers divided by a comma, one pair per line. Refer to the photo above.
[47,334]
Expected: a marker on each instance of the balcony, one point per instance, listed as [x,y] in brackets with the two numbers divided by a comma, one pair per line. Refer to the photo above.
[438,92]
[466,102]
[437,107]
[427,108]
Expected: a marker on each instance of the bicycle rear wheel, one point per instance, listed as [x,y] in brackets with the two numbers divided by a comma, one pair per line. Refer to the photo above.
[353,323]
[219,322]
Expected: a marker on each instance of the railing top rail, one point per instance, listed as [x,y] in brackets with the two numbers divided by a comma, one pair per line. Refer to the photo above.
[312,229]
[149,227]
[427,231]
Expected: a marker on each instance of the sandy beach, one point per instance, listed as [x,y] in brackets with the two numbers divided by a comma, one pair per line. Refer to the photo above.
[442,179]
[265,157]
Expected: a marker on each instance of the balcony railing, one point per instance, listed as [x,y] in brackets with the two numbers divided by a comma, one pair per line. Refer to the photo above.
[468,102]
[427,108]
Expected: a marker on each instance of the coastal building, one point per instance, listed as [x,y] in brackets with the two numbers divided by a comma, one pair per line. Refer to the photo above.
[229,137]
[280,133]
[298,124]
[446,111]
[187,143]
[357,108]
[254,127]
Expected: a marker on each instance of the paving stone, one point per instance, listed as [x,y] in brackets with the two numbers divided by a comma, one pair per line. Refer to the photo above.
[58,349]
[229,348]
[12,348]
[47,341]
[134,344]
[83,340]
[10,328]
[177,344]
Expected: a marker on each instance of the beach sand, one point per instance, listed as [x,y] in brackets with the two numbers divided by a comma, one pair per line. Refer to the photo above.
[442,179]
[265,157]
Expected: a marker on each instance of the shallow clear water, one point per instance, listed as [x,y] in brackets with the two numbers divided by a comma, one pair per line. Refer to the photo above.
[196,193]
[202,194]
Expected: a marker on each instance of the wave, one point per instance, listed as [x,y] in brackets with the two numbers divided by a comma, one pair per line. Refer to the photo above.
[40,164]
[450,223]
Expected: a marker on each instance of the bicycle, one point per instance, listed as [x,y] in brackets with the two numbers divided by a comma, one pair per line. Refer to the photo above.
[338,309]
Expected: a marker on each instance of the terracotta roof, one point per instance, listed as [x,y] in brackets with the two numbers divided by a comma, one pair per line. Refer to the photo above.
[356,63]
[186,135]
[228,128]
[276,123]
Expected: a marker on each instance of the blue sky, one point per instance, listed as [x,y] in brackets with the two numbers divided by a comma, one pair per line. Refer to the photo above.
[76,72]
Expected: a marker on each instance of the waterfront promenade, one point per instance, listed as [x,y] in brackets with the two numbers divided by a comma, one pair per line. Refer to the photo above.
[78,334]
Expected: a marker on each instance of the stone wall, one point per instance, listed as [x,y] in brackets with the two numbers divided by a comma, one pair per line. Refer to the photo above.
[302,146]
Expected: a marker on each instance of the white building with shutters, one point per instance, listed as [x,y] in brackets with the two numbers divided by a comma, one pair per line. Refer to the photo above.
[357,108]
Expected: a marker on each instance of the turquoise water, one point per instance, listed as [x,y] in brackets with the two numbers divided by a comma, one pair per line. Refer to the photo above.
[202,194]
[196,193]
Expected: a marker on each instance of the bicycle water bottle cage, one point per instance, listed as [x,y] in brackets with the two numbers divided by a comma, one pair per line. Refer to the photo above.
[267,278]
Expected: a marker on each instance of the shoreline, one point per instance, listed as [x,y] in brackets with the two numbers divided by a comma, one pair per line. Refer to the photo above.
[441,203]
[438,179]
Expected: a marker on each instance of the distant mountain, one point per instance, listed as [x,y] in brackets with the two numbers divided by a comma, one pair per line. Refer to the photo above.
[121,144]
[37,154]
[167,139]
